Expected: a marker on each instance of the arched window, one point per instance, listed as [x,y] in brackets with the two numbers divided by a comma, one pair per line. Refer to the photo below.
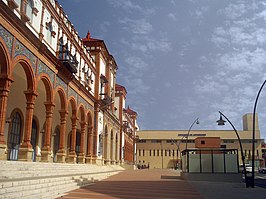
[14,137]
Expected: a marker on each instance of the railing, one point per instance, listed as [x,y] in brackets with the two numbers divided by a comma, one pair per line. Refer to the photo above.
[106,99]
[68,60]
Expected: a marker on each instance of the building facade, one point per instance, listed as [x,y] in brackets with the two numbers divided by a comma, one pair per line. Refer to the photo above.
[128,122]
[162,148]
[57,90]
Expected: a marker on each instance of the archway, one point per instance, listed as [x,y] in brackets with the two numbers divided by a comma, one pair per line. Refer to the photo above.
[71,125]
[59,121]
[23,88]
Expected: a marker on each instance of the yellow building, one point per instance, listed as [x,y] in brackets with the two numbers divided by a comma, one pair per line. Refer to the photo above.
[162,148]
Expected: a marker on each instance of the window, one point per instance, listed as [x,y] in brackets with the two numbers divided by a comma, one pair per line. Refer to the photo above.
[29,9]
[14,137]
[139,152]
[158,152]
[202,142]
[156,141]
[49,28]
[143,152]
[141,141]
[228,141]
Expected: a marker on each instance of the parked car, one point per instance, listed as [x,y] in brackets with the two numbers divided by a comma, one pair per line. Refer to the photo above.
[248,168]
[262,170]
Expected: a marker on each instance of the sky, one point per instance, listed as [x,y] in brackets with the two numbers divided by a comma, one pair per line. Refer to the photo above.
[182,59]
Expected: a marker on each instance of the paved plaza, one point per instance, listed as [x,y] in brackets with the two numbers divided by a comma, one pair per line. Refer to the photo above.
[142,184]
[163,184]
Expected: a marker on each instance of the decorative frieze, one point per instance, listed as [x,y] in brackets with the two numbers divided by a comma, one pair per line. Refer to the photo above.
[73,93]
[20,49]
[7,37]
[60,82]
[42,68]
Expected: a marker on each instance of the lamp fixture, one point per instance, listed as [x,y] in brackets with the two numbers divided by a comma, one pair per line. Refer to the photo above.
[221,122]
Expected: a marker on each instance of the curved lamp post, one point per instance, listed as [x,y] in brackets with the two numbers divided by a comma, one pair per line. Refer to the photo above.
[253,137]
[222,122]
[195,122]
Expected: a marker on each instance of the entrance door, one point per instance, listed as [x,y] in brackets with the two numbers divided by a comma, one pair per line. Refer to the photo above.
[56,142]
[14,137]
[33,140]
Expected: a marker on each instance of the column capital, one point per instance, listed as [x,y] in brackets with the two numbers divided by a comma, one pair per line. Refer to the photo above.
[30,96]
[5,83]
[63,114]
[83,124]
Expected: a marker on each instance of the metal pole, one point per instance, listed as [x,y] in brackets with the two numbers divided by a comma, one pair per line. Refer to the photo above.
[241,149]
[253,137]
[197,120]
[161,152]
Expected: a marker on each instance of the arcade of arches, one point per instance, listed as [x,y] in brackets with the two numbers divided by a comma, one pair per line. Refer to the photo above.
[39,120]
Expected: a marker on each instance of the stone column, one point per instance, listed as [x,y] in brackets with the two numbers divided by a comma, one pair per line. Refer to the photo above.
[89,145]
[46,150]
[5,84]
[61,154]
[25,150]
[72,155]
[81,155]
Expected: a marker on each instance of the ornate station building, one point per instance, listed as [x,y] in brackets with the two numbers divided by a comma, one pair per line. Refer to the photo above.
[59,101]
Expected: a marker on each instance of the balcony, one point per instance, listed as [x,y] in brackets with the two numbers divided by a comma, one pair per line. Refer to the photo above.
[106,99]
[68,60]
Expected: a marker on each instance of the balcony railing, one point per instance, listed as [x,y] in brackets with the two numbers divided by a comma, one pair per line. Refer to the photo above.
[68,60]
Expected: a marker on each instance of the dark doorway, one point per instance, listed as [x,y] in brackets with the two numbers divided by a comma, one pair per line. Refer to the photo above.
[56,142]
[33,139]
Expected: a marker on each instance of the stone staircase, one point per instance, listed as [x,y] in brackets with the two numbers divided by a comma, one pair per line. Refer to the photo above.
[48,180]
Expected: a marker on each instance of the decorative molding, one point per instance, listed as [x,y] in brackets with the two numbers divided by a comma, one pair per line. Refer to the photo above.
[12,4]
[24,17]
[35,11]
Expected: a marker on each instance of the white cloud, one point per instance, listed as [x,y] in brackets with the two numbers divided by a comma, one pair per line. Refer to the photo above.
[136,26]
[167,84]
[172,16]
[233,11]
[125,4]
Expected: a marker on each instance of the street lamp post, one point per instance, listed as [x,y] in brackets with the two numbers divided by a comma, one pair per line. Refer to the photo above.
[195,122]
[222,122]
[253,137]
[178,149]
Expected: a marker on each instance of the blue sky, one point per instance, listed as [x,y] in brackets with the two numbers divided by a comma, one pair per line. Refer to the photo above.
[182,59]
